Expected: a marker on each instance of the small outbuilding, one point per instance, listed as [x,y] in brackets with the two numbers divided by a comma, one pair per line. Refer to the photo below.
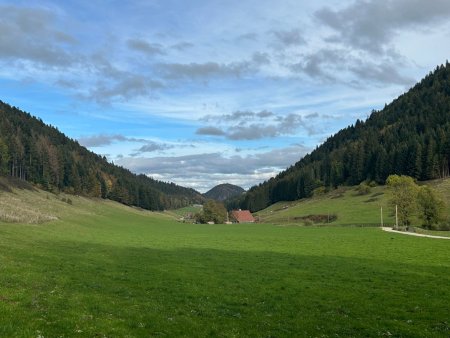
[242,216]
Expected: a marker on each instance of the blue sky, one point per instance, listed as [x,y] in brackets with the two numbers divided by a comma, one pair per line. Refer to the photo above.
[207,92]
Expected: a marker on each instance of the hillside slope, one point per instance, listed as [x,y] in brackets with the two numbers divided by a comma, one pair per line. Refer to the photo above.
[224,191]
[22,203]
[344,206]
[410,136]
[40,154]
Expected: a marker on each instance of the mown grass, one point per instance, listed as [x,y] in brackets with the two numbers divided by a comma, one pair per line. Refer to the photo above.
[109,271]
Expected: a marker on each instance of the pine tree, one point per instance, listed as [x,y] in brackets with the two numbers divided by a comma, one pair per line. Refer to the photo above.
[4,158]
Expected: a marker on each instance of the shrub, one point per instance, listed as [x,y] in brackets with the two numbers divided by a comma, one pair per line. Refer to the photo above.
[444,225]
[363,189]
[431,208]
[308,222]
[317,218]
[319,191]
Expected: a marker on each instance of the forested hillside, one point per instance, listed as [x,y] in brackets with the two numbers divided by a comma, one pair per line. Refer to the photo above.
[40,154]
[410,136]
[224,191]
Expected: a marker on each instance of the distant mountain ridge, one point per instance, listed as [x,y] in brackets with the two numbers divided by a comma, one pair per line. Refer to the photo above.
[223,192]
[40,154]
[410,136]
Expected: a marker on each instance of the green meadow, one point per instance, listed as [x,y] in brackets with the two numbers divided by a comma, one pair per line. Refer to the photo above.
[184,212]
[348,207]
[345,204]
[99,269]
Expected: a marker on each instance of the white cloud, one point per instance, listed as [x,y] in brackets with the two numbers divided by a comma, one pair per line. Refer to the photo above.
[100,140]
[142,46]
[248,125]
[288,38]
[203,171]
[29,34]
[372,25]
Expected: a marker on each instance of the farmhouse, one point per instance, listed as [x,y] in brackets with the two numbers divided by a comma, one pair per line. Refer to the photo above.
[242,216]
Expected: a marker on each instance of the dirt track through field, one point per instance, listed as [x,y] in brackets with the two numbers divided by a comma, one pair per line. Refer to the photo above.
[412,233]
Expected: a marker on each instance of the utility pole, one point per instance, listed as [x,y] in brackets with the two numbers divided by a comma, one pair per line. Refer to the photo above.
[381,216]
[396,218]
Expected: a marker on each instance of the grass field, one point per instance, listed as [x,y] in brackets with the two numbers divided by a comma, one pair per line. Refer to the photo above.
[185,212]
[105,270]
[347,205]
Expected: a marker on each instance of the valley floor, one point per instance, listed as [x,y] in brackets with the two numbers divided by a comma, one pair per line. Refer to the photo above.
[105,270]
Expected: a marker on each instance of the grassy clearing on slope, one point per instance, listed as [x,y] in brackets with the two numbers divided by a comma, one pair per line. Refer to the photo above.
[185,212]
[34,206]
[108,270]
[347,205]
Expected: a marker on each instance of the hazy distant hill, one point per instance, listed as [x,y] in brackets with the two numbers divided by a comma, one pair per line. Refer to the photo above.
[225,191]
[410,136]
[38,153]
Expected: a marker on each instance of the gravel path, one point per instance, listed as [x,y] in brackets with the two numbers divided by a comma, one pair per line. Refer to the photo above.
[412,233]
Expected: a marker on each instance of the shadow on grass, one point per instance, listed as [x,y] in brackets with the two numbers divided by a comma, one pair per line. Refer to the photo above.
[65,288]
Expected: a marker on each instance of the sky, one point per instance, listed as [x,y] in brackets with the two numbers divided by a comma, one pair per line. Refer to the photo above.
[204,92]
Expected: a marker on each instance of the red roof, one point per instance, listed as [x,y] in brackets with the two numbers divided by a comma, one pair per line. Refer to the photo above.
[242,216]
